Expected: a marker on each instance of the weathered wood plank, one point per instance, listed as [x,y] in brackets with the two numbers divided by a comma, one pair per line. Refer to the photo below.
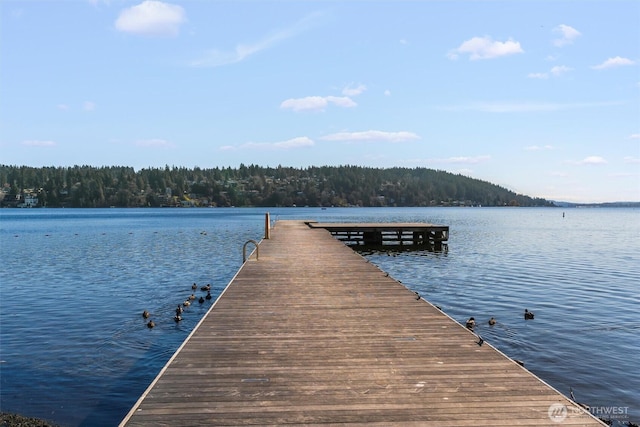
[311,333]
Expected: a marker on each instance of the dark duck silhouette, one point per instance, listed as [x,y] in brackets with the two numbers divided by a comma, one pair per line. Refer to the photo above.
[206,288]
[145,314]
[201,300]
[528,314]
[208,295]
[194,286]
[471,323]
[151,324]
[492,321]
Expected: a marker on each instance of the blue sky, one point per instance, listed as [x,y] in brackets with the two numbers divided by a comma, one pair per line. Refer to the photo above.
[541,97]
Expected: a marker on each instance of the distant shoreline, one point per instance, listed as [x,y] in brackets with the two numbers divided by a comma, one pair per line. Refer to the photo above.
[566,205]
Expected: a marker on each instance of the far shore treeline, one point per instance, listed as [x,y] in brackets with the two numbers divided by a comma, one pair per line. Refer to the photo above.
[97,187]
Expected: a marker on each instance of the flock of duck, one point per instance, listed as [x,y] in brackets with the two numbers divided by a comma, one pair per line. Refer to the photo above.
[186,303]
[471,323]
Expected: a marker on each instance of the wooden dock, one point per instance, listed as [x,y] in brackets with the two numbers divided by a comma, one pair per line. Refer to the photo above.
[412,234]
[311,333]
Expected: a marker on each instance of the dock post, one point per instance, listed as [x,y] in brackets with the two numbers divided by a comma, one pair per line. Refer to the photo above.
[267,226]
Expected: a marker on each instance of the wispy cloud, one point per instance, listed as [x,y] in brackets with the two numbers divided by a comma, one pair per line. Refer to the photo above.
[632,160]
[289,144]
[62,107]
[634,136]
[154,143]
[485,48]
[497,107]
[371,135]
[218,58]
[38,143]
[615,62]
[316,103]
[556,71]
[567,35]
[591,160]
[560,69]
[152,18]
[354,90]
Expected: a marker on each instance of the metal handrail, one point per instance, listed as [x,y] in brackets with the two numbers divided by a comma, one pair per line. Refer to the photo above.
[244,250]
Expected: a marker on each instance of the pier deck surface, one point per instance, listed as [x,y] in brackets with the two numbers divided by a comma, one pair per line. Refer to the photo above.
[311,333]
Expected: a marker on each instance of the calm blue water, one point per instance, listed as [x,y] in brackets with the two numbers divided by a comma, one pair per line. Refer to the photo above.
[74,348]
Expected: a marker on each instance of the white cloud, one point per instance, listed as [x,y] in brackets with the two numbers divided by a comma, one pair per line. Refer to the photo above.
[38,143]
[485,48]
[351,90]
[592,160]
[293,143]
[218,58]
[567,35]
[316,103]
[371,135]
[88,106]
[633,160]
[151,18]
[341,101]
[634,136]
[309,103]
[320,103]
[387,92]
[154,143]
[63,107]
[613,62]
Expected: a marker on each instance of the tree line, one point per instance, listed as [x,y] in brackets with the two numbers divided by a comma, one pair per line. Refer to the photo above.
[89,186]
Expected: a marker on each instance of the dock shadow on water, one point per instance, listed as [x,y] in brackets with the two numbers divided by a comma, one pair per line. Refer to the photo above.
[396,250]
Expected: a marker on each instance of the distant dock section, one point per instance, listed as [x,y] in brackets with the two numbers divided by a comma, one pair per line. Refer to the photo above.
[415,234]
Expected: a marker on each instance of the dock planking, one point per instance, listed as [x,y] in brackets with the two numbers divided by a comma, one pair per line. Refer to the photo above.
[311,333]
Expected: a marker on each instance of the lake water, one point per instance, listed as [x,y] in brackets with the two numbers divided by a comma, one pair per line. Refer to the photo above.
[74,348]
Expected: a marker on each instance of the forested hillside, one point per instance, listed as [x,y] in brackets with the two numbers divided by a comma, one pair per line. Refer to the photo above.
[87,186]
